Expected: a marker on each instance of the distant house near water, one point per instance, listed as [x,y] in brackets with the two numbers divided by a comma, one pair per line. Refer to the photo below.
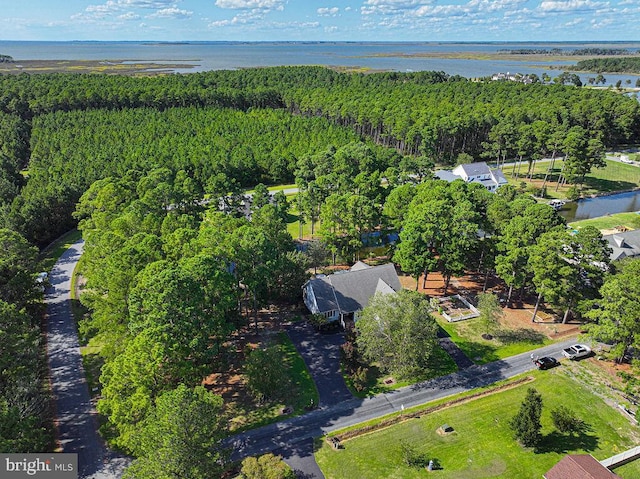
[342,294]
[478,172]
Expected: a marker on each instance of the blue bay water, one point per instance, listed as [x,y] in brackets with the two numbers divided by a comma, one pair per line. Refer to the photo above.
[377,56]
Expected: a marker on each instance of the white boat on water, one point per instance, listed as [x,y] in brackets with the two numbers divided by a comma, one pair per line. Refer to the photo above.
[557,204]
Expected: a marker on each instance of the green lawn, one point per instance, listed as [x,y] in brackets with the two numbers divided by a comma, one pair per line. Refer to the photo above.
[629,471]
[467,335]
[615,176]
[276,188]
[630,220]
[441,364]
[482,445]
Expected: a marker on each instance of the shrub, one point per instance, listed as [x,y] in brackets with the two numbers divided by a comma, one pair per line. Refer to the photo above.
[411,456]
[565,420]
[573,193]
[266,371]
[360,378]
[267,466]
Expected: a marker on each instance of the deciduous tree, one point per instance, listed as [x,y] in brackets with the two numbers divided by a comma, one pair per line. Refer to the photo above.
[398,332]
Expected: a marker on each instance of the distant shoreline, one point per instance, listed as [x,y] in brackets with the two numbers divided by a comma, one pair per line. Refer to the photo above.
[121,67]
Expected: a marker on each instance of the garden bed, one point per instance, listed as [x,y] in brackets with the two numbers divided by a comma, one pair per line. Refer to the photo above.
[456,308]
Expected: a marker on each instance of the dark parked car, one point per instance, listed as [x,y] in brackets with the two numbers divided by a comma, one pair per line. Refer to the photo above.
[546,362]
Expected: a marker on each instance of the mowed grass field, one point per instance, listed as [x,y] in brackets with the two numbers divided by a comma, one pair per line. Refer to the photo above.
[506,342]
[482,445]
[629,220]
[615,176]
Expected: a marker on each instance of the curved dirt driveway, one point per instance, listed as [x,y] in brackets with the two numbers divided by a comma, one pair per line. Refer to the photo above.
[76,416]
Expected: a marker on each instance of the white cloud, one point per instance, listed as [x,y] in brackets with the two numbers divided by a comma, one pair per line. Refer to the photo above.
[399,4]
[331,29]
[151,4]
[129,16]
[571,5]
[249,4]
[391,7]
[574,22]
[172,12]
[328,11]
[124,10]
[601,24]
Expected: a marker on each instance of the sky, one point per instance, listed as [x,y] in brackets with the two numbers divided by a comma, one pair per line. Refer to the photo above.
[321,20]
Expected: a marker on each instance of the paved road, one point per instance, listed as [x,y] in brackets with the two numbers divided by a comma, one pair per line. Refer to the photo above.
[297,430]
[76,415]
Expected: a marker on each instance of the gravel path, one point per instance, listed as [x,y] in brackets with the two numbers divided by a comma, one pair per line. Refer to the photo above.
[76,416]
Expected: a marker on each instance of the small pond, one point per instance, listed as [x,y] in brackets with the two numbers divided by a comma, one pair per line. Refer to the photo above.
[601,206]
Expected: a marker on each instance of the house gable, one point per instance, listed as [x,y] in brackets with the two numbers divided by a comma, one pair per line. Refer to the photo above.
[624,245]
[350,291]
[475,173]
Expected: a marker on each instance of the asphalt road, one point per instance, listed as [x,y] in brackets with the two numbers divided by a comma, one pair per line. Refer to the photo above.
[76,416]
[292,435]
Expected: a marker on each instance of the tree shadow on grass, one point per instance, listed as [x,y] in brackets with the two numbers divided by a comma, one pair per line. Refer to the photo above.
[520,335]
[601,184]
[479,353]
[565,443]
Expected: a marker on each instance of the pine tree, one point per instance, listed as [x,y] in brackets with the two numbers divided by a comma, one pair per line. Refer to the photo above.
[526,424]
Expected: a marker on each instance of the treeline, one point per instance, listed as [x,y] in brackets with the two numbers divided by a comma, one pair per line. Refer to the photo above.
[560,51]
[31,95]
[6,59]
[610,65]
[25,419]
[447,119]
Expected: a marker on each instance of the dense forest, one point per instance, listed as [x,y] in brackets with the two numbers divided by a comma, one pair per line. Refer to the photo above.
[425,113]
[610,65]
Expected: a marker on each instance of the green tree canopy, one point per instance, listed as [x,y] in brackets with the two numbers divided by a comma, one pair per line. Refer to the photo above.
[398,332]
[616,319]
[180,437]
[526,425]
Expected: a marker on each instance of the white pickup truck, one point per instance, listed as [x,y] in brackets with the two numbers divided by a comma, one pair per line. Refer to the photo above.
[577,351]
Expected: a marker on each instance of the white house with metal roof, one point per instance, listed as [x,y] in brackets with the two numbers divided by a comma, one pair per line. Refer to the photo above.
[478,172]
[343,293]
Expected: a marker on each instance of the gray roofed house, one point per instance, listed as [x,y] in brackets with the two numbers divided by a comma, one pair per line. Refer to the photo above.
[348,292]
[624,245]
[475,173]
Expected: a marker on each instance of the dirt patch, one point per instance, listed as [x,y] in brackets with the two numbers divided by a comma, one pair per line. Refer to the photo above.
[228,381]
[518,316]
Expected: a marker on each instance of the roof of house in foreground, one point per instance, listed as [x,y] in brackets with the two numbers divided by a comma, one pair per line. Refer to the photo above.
[624,244]
[350,291]
[579,466]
